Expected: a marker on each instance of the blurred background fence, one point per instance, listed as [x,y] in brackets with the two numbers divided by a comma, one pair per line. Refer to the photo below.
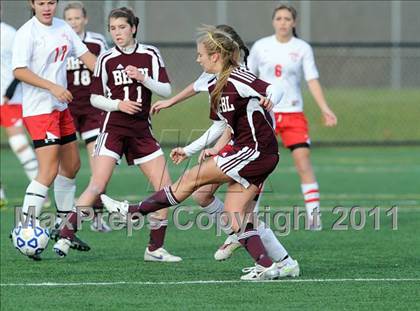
[373,87]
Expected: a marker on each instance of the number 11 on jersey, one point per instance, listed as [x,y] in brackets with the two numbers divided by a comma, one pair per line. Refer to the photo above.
[127,93]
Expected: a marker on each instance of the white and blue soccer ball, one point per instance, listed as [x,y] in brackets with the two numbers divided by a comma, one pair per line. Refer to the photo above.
[32,239]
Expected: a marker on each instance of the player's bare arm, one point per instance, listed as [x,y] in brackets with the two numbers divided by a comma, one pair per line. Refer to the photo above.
[27,76]
[328,115]
[89,60]
[178,98]
[221,142]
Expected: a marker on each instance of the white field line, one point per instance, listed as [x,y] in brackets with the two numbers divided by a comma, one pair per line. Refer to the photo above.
[200,282]
[401,209]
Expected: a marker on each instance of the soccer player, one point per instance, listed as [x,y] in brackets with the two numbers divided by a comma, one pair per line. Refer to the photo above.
[11,107]
[205,195]
[87,118]
[41,48]
[235,94]
[124,79]
[280,59]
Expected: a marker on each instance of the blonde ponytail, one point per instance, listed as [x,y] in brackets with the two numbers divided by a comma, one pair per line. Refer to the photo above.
[219,41]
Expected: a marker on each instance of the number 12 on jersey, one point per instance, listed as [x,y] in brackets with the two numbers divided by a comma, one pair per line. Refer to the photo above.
[127,94]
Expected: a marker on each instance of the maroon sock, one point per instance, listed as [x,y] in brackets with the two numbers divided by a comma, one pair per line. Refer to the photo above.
[98,206]
[160,199]
[67,232]
[157,236]
[253,244]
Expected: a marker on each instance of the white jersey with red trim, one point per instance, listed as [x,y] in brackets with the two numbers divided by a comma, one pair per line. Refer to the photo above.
[44,50]
[7,36]
[282,64]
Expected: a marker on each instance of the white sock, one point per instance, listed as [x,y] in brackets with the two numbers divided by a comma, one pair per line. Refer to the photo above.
[34,197]
[64,192]
[214,207]
[274,248]
[24,152]
[311,196]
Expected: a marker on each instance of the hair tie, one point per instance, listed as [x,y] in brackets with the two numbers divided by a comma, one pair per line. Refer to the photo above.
[215,42]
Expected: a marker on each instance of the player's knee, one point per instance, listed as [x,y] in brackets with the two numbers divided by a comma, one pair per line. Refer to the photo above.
[76,166]
[46,175]
[203,198]
[188,178]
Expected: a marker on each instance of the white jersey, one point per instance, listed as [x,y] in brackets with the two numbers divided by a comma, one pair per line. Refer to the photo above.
[44,50]
[201,84]
[282,64]
[7,36]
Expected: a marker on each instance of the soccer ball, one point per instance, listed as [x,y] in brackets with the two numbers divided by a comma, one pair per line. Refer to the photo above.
[31,240]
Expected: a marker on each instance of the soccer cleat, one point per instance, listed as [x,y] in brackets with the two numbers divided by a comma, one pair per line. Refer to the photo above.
[290,268]
[259,273]
[3,202]
[76,243]
[61,247]
[36,257]
[79,245]
[160,255]
[229,246]
[99,225]
[114,206]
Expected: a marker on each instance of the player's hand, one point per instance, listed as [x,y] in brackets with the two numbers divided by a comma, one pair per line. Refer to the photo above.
[5,99]
[266,103]
[206,153]
[129,106]
[178,155]
[133,73]
[159,105]
[329,117]
[62,94]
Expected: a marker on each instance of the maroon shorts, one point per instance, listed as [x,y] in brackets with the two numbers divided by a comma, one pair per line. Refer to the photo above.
[88,125]
[137,150]
[246,166]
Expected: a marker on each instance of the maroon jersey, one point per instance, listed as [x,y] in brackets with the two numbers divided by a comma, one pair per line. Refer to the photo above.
[239,106]
[79,77]
[111,80]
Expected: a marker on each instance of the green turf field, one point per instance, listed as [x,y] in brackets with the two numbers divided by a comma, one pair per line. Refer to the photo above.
[341,270]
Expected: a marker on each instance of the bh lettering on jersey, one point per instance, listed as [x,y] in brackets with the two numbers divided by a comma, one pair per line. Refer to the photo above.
[121,77]
[74,63]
